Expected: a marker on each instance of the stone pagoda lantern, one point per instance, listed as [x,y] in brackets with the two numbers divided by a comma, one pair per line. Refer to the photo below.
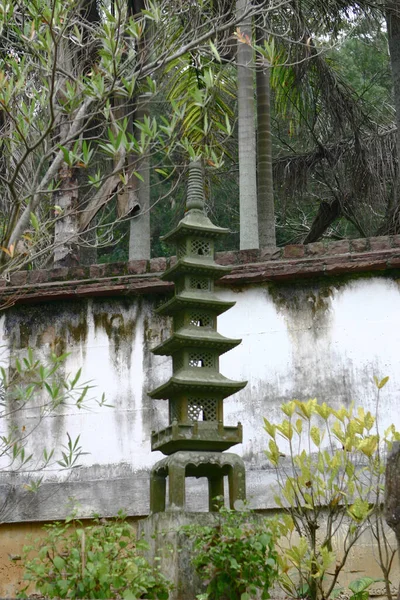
[196,436]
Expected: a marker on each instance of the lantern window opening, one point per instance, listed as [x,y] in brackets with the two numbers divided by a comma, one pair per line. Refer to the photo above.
[199,283]
[201,360]
[201,320]
[202,409]
[200,247]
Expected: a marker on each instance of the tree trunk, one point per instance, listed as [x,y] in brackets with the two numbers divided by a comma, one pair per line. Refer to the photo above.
[66,252]
[87,239]
[393,28]
[247,135]
[265,185]
[139,238]
[392,493]
[327,214]
[392,221]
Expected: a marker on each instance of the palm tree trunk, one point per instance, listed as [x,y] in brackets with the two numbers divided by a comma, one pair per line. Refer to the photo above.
[247,135]
[392,221]
[139,237]
[393,27]
[265,184]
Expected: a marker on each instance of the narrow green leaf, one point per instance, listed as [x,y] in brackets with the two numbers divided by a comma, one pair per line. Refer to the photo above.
[34,221]
[383,382]
[217,56]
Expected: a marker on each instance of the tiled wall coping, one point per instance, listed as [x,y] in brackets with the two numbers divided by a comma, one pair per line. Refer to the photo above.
[248,266]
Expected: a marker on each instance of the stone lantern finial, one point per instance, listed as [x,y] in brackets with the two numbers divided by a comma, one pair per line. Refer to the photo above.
[195,191]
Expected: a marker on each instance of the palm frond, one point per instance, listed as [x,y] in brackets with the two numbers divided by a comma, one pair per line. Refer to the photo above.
[359,174]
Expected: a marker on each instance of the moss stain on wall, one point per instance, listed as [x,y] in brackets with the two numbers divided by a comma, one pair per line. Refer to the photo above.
[306,310]
[120,328]
[156,329]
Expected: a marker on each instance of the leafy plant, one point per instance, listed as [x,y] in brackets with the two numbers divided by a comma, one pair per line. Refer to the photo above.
[330,477]
[235,558]
[30,391]
[103,560]
[358,587]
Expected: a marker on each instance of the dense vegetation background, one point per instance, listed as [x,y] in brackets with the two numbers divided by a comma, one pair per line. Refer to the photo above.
[306,178]
[292,105]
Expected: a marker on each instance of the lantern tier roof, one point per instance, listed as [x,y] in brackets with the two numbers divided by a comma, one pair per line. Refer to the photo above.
[194,299]
[198,338]
[197,380]
[195,222]
[205,267]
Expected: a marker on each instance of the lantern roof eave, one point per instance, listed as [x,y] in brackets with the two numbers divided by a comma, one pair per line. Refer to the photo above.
[195,222]
[195,265]
[187,380]
[195,336]
[196,299]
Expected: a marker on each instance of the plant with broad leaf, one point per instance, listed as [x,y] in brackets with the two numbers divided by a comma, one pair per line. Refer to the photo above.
[236,558]
[100,560]
[330,471]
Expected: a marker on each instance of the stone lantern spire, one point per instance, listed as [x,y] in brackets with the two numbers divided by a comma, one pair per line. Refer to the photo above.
[196,435]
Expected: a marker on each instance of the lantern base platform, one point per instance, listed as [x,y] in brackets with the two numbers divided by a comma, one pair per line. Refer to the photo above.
[198,436]
[214,466]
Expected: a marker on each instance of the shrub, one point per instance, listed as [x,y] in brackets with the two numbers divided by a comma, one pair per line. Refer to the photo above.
[103,560]
[235,558]
[330,474]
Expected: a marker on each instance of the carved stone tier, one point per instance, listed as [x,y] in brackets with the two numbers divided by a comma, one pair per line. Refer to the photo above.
[199,435]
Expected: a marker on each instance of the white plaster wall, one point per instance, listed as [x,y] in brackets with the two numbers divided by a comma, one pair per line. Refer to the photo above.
[298,342]
[331,354]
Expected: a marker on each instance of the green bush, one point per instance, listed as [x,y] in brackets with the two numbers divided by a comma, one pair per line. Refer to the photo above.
[330,479]
[235,558]
[103,560]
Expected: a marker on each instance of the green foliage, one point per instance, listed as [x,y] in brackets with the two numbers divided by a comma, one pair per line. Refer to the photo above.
[330,477]
[359,587]
[363,58]
[32,390]
[202,94]
[71,74]
[103,560]
[236,558]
